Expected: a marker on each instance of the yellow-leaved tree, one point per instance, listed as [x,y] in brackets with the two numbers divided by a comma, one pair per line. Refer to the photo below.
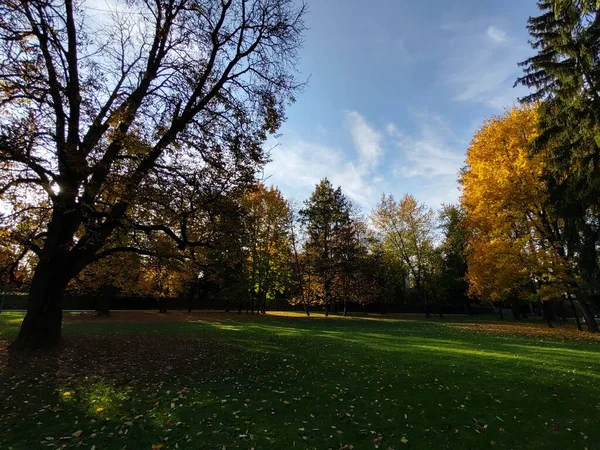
[515,245]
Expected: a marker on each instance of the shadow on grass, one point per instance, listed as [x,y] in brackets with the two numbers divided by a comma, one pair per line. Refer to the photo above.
[281,382]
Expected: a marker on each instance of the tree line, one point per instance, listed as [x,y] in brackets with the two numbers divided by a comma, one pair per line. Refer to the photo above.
[134,142]
[322,253]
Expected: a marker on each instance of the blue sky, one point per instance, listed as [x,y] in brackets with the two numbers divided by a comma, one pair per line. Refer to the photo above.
[397,89]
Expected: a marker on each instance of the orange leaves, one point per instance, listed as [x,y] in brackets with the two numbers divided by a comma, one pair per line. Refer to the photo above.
[504,198]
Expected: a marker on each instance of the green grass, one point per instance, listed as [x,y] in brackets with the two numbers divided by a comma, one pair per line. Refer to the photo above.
[290,382]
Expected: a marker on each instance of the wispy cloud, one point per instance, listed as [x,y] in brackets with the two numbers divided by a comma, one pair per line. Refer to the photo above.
[496,34]
[431,155]
[423,160]
[298,162]
[432,150]
[367,140]
[482,65]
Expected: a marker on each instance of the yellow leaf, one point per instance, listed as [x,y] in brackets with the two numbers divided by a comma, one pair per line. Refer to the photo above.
[99,410]
[404,440]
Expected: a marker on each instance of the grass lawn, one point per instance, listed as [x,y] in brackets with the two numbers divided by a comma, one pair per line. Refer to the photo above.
[222,381]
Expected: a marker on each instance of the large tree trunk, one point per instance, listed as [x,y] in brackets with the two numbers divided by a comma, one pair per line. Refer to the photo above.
[42,325]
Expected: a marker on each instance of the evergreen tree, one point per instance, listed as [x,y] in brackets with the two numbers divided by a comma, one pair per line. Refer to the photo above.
[565,77]
[453,249]
[326,215]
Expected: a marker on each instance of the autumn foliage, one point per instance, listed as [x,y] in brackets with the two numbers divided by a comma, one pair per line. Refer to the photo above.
[505,200]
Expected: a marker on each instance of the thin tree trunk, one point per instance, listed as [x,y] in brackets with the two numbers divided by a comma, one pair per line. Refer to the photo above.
[191,297]
[547,312]
[588,315]
[563,313]
[577,321]
[515,312]
[425,306]
[162,305]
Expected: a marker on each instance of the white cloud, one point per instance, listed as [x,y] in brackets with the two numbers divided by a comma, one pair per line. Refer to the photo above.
[429,153]
[496,34]
[367,140]
[482,67]
[425,163]
[298,163]
[433,155]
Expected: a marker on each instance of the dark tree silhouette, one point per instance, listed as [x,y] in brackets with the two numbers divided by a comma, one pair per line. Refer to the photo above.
[115,124]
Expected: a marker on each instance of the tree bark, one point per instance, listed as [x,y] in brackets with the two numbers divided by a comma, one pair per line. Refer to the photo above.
[425,306]
[42,325]
[588,315]
[162,305]
[577,321]
[192,295]
[548,313]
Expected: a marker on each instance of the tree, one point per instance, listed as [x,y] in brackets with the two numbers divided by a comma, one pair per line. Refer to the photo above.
[453,250]
[326,215]
[381,275]
[269,245]
[117,127]
[350,250]
[408,228]
[564,75]
[224,264]
[298,287]
[516,245]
